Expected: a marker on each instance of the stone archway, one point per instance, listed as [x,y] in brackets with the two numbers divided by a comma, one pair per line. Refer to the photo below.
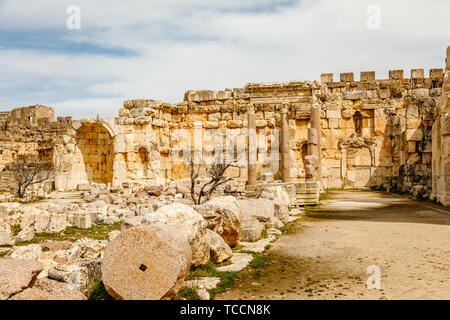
[95,153]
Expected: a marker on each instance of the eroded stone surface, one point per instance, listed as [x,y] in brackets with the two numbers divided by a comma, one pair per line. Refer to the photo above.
[219,249]
[222,215]
[189,222]
[6,234]
[17,275]
[238,262]
[146,263]
[58,290]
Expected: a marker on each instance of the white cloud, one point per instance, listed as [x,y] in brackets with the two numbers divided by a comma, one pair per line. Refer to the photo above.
[180,45]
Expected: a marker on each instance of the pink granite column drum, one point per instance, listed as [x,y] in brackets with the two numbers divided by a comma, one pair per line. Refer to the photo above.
[146,263]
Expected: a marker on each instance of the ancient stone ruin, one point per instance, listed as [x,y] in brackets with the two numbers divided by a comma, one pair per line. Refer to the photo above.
[280,143]
[389,133]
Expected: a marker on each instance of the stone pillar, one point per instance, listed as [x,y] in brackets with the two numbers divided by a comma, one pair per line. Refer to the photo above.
[315,123]
[312,159]
[447,60]
[252,148]
[285,145]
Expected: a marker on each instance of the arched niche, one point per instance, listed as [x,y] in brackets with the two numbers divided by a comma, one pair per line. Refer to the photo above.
[94,153]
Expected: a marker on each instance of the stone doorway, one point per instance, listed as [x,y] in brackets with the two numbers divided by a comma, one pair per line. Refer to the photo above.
[94,153]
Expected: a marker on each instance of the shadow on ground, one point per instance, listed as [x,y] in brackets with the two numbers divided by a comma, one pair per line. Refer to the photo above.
[379,207]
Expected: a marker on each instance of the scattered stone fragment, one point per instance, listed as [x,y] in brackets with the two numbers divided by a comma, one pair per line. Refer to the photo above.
[59,290]
[258,246]
[24,235]
[153,190]
[33,294]
[80,275]
[6,234]
[17,275]
[261,209]
[206,283]
[251,229]
[188,221]
[203,294]
[32,251]
[55,245]
[219,249]
[238,262]
[222,215]
[113,234]
[131,222]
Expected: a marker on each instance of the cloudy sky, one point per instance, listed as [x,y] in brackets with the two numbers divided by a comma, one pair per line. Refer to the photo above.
[158,49]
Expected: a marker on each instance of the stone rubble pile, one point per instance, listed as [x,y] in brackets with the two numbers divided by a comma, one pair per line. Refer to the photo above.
[210,230]
[19,281]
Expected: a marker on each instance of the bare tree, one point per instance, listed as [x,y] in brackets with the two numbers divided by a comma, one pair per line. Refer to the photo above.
[217,177]
[29,170]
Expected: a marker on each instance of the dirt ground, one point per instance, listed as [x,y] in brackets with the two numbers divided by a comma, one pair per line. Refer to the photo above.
[325,255]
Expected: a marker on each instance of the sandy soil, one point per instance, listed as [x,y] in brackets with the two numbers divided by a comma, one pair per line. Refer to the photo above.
[325,255]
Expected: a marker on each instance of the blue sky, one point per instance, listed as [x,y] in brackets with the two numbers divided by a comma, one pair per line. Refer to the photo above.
[158,49]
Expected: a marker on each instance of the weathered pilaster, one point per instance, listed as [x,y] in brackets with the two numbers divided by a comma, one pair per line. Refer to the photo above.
[312,159]
[252,147]
[285,149]
[315,124]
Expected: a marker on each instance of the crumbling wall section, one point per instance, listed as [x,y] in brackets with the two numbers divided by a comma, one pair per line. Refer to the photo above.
[378,132]
[441,143]
[373,132]
[33,131]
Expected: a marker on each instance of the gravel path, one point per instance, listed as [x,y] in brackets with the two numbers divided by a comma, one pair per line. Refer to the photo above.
[325,255]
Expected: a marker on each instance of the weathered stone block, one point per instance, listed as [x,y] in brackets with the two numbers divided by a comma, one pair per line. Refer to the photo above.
[417,74]
[204,95]
[261,123]
[413,123]
[447,60]
[367,75]
[42,221]
[436,73]
[414,135]
[354,95]
[347,77]
[222,215]
[6,234]
[326,77]
[333,114]
[224,95]
[395,74]
[58,223]
[333,123]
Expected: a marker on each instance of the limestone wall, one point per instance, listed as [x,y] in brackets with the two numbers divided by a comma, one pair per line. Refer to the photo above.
[441,143]
[378,132]
[29,130]
[374,132]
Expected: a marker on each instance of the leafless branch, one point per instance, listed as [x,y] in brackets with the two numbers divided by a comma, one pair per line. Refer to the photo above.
[216,173]
[29,170]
